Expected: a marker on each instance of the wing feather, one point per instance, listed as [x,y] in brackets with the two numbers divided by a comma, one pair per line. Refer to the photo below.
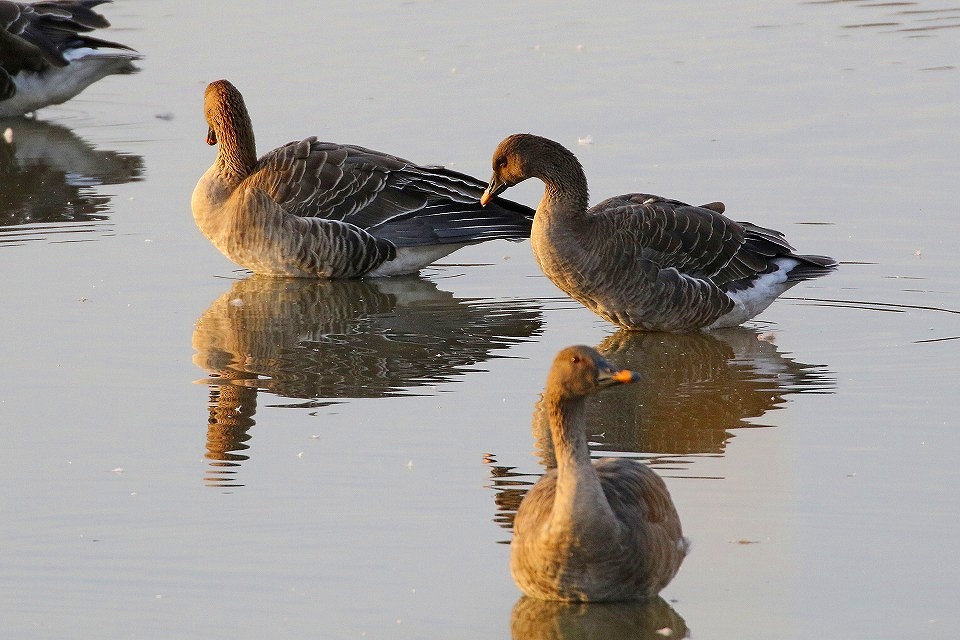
[375,190]
[695,241]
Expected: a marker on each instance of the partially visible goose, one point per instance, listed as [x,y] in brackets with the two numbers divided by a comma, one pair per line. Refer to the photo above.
[642,261]
[316,209]
[46,59]
[592,532]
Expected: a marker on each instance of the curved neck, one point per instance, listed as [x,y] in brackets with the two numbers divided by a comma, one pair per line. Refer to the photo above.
[565,188]
[237,154]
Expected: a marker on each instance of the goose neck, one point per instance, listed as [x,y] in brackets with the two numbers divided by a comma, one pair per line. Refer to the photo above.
[237,155]
[568,432]
[565,191]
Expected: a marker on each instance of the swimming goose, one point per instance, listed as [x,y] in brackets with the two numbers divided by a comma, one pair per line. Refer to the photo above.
[642,261]
[44,57]
[316,209]
[592,531]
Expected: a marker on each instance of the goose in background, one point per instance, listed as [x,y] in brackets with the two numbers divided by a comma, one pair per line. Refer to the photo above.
[592,531]
[315,209]
[642,261]
[45,56]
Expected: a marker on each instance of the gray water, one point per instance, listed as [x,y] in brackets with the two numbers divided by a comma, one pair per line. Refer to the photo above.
[192,453]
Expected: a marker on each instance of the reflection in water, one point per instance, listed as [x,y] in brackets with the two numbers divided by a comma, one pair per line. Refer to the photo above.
[694,389]
[912,19]
[47,175]
[324,341]
[547,620]
[232,406]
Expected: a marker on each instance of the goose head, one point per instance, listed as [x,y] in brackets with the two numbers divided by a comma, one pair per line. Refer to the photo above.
[524,155]
[229,125]
[579,371]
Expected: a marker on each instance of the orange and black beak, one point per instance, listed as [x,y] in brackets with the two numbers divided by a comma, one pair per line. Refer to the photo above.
[609,375]
[211,137]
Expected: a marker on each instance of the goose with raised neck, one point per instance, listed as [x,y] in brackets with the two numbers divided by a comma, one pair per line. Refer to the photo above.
[646,262]
[313,209]
[592,531]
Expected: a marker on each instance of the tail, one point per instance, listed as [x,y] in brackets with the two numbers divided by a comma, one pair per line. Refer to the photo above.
[811,267]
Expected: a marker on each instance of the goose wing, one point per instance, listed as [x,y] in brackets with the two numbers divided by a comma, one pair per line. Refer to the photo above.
[696,241]
[368,188]
[43,31]
[17,53]
[641,502]
[633,488]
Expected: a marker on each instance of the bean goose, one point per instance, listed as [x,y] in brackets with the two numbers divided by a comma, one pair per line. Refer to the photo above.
[46,59]
[642,261]
[592,532]
[317,209]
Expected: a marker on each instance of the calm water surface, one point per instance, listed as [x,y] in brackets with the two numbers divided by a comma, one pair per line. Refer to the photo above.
[192,453]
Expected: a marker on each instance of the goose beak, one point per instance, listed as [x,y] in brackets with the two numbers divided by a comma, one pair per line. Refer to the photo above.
[495,188]
[211,137]
[608,377]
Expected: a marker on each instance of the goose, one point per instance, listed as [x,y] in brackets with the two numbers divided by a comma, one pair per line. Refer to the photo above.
[592,531]
[46,58]
[642,261]
[313,209]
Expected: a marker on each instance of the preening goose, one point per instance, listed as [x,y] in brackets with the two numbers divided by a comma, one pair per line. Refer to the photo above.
[642,261]
[316,209]
[46,59]
[592,531]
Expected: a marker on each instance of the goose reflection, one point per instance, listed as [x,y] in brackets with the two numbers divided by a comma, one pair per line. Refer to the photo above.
[549,620]
[321,342]
[47,180]
[695,391]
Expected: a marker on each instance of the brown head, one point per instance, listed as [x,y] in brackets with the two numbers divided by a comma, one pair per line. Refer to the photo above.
[229,124]
[579,370]
[222,105]
[524,155]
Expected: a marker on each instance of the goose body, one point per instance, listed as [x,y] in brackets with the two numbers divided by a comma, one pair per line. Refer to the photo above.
[646,262]
[592,531]
[45,56]
[315,209]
